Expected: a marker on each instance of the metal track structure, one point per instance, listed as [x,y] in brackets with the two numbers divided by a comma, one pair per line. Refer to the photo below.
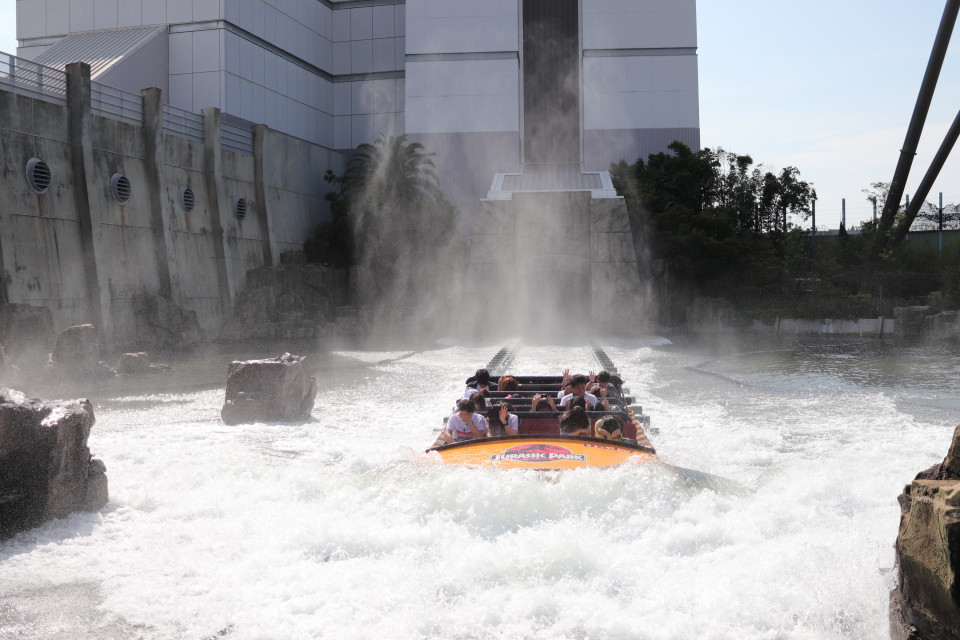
[635,411]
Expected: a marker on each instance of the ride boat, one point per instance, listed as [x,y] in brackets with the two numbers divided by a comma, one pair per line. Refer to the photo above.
[540,445]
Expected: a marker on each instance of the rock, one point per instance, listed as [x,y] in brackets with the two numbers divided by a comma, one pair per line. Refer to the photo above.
[133,363]
[27,333]
[943,326]
[908,321]
[272,390]
[290,301]
[926,603]
[163,325]
[77,349]
[46,470]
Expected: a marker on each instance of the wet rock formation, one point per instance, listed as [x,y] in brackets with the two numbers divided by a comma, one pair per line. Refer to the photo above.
[133,363]
[290,302]
[77,349]
[925,322]
[46,470]
[926,603]
[271,390]
[909,320]
[163,325]
[27,333]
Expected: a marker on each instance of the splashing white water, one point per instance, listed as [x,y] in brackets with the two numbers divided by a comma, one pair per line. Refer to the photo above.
[342,528]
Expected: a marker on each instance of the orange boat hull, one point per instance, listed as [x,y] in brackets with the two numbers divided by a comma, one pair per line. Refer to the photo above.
[542,452]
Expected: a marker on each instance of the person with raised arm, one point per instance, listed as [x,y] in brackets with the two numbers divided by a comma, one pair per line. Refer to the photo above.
[500,422]
[578,390]
[542,402]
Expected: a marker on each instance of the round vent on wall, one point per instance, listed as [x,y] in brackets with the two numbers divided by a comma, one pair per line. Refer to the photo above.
[186,198]
[239,208]
[120,188]
[38,175]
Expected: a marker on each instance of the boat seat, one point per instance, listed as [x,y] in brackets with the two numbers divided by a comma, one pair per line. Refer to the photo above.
[547,422]
[540,426]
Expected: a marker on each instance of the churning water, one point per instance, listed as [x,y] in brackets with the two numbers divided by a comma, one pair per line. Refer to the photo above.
[342,528]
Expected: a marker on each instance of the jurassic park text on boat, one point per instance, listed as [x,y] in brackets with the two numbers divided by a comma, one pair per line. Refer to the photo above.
[544,422]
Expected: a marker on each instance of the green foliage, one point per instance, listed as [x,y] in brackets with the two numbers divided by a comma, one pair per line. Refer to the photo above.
[718,219]
[721,224]
[332,242]
[390,217]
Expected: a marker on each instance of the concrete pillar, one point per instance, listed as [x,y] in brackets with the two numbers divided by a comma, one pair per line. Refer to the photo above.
[219,204]
[152,100]
[79,123]
[261,151]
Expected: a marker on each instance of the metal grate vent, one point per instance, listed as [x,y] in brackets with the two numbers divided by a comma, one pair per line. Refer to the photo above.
[38,175]
[120,188]
[239,208]
[186,198]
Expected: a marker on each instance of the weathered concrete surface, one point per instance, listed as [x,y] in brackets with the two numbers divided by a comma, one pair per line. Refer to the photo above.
[271,390]
[926,603]
[46,470]
[81,255]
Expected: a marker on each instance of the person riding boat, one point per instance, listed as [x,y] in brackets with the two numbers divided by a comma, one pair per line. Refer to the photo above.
[542,402]
[500,422]
[609,428]
[464,424]
[579,390]
[575,422]
[603,383]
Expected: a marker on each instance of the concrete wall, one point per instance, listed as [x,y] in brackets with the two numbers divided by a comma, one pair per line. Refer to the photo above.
[77,251]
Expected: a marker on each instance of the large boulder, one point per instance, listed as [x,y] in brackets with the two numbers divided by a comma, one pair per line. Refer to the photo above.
[27,333]
[908,321]
[77,349]
[272,390]
[926,603]
[46,470]
[133,363]
[163,325]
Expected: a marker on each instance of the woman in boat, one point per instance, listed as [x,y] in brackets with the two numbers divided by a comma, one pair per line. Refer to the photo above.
[508,383]
[575,422]
[542,402]
[464,424]
[500,422]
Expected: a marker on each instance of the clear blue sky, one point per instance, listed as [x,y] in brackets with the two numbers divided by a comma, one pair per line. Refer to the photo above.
[822,85]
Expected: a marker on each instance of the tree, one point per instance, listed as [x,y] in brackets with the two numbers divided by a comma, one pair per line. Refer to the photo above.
[403,229]
[713,215]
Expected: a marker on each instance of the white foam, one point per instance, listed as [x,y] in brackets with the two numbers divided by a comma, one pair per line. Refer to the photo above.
[341,528]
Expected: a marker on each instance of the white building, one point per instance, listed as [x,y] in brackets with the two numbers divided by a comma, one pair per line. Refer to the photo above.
[491,86]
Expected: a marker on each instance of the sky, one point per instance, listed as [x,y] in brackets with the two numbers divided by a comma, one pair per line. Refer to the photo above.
[826,86]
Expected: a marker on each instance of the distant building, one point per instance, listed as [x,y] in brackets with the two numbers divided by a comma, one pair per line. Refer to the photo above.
[491,86]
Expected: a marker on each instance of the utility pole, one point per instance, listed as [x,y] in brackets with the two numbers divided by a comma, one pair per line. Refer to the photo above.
[843,213]
[940,225]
